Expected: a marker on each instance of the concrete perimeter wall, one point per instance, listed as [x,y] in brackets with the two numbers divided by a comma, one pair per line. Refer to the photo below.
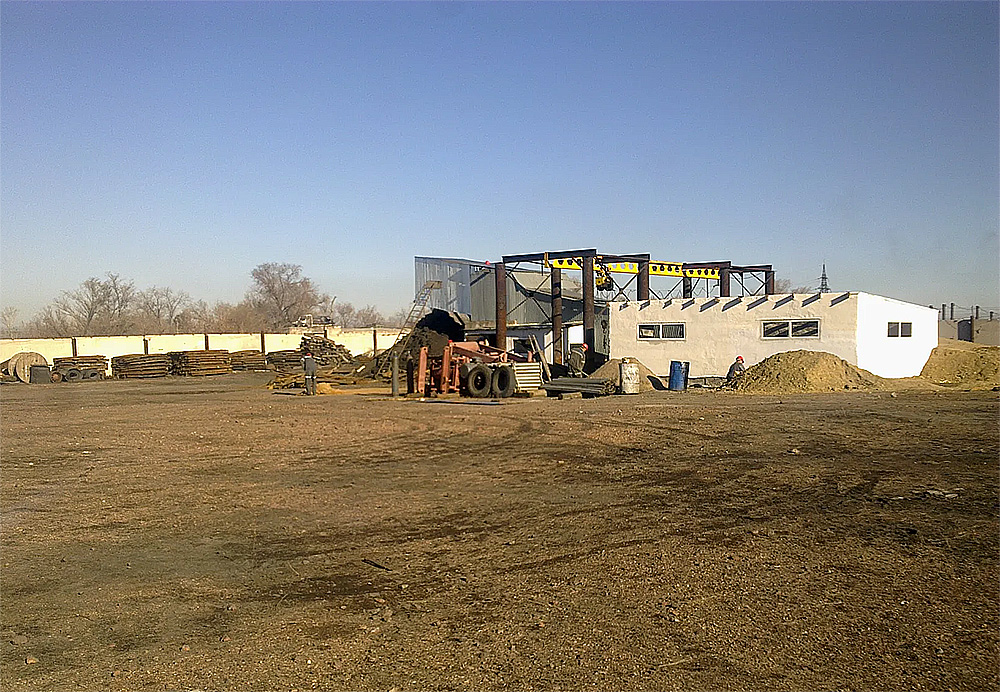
[357,341]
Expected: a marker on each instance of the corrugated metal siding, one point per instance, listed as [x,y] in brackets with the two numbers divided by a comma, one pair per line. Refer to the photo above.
[469,288]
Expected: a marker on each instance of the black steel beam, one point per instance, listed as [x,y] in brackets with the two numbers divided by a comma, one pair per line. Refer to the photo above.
[589,336]
[541,256]
[557,321]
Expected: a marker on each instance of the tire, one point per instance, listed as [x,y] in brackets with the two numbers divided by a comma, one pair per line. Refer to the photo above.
[503,382]
[479,381]
[72,375]
[91,374]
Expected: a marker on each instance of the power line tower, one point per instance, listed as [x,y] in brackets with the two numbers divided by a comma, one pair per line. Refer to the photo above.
[824,285]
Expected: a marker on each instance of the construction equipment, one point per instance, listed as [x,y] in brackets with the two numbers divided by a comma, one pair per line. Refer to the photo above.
[469,368]
[405,331]
[655,268]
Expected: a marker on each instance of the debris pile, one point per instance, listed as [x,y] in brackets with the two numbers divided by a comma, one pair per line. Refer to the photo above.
[138,365]
[200,363]
[804,371]
[963,363]
[325,351]
[248,360]
[288,360]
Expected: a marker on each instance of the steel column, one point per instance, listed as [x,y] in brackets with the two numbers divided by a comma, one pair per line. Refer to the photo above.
[642,281]
[589,337]
[687,291]
[769,282]
[724,282]
[557,320]
[500,270]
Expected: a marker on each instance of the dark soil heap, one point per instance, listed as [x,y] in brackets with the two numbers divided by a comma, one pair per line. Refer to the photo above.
[804,371]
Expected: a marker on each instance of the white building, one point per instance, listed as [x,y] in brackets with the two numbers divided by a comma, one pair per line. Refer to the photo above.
[887,337]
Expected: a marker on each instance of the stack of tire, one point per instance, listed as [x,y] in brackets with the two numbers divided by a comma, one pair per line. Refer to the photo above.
[483,381]
[79,368]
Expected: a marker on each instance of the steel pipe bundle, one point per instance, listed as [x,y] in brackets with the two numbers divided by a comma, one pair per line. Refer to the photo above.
[592,386]
[139,365]
[200,363]
[248,360]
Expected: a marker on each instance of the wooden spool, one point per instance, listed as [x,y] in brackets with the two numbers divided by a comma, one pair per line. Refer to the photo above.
[20,364]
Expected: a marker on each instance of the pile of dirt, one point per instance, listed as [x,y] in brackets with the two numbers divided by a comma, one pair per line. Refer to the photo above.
[960,362]
[612,371]
[804,371]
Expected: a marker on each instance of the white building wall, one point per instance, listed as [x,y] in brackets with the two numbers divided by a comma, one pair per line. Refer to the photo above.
[719,329]
[888,356]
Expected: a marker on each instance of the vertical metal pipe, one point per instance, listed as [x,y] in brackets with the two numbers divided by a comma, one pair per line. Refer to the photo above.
[952,312]
[262,343]
[557,315]
[977,312]
[642,282]
[588,302]
[944,311]
[73,344]
[206,342]
[374,342]
[501,308]
[395,374]
[724,282]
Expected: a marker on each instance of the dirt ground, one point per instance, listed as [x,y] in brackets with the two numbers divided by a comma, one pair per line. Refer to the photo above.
[209,534]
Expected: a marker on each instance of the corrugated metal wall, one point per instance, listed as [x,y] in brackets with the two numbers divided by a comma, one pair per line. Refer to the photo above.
[469,288]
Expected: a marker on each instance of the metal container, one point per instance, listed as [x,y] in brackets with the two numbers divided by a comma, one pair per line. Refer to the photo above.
[40,374]
[630,377]
[679,375]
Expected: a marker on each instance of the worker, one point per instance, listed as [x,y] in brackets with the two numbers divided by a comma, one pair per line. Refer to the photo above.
[577,360]
[736,369]
[309,368]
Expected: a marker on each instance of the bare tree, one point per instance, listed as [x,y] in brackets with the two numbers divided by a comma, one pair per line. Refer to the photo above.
[158,308]
[343,313]
[367,316]
[242,318]
[8,322]
[119,305]
[785,286]
[282,294]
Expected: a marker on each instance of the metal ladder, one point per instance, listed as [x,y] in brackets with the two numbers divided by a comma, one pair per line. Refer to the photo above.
[406,331]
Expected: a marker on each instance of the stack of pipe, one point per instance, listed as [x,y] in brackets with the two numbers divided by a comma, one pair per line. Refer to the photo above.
[591,386]
[138,365]
[248,360]
[200,363]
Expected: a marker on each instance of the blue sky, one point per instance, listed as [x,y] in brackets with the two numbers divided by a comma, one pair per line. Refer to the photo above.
[182,144]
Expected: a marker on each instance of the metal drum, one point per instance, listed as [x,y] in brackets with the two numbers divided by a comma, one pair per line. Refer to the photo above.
[679,375]
[630,377]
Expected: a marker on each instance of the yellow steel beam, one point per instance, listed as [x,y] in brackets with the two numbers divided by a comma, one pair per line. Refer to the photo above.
[655,268]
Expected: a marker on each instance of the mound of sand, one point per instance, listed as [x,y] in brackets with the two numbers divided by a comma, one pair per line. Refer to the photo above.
[804,371]
[612,371]
[960,362]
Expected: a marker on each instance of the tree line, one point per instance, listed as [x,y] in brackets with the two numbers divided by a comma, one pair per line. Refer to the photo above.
[278,297]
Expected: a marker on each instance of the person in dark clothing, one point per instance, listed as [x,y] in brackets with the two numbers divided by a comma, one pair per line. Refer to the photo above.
[736,369]
[309,368]
[577,360]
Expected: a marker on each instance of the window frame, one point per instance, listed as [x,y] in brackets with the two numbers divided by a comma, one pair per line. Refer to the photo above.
[900,328]
[789,328]
[660,331]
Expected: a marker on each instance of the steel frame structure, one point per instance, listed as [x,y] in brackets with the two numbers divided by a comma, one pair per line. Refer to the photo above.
[591,261]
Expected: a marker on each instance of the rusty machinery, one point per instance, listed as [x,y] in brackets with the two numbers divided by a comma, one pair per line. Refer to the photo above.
[469,368]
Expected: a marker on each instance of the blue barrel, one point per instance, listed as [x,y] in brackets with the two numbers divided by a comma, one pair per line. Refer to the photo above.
[678,375]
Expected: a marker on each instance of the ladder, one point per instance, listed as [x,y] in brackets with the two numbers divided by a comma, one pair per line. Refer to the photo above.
[419,304]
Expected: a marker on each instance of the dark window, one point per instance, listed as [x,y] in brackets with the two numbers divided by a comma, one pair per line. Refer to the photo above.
[901,329]
[673,331]
[649,331]
[894,329]
[773,330]
[805,328]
